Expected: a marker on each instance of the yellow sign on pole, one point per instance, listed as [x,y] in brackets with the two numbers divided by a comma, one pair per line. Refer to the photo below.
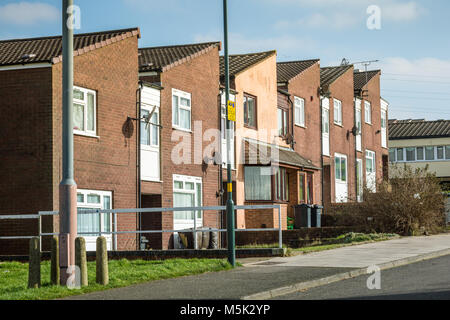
[232,111]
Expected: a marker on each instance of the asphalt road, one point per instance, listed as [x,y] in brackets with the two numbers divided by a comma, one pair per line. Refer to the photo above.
[426,280]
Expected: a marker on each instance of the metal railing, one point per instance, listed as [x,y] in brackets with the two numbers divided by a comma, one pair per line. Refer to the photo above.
[195,229]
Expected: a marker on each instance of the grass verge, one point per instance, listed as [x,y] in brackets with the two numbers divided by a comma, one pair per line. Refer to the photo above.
[122,273]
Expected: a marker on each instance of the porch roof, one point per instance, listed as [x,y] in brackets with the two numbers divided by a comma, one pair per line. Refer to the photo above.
[258,153]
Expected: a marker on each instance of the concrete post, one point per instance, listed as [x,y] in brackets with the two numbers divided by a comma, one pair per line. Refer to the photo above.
[34,266]
[67,187]
[102,276]
[54,269]
[81,260]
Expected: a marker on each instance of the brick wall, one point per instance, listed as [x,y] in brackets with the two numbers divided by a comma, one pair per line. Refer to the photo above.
[200,77]
[25,152]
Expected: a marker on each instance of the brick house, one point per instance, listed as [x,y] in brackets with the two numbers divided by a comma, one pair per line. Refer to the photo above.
[301,81]
[266,168]
[187,79]
[106,81]
[371,116]
[338,142]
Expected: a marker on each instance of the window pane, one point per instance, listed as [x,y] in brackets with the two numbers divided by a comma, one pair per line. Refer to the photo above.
[175,119]
[189,186]
[392,154]
[337,167]
[183,200]
[326,121]
[78,117]
[185,102]
[93,198]
[447,152]
[90,113]
[185,119]
[343,169]
[80,198]
[301,190]
[285,122]
[440,152]
[420,155]
[251,112]
[144,130]
[88,222]
[178,185]
[77,94]
[199,200]
[429,153]
[410,154]
[107,216]
[280,122]
[400,154]
[257,185]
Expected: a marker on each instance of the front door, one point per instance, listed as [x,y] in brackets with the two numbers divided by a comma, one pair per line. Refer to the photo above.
[341,178]
[187,192]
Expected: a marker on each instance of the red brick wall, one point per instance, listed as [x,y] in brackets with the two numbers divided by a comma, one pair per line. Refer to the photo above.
[25,152]
[308,140]
[341,139]
[107,163]
[200,77]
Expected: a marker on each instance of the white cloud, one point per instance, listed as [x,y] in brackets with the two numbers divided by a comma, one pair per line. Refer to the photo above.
[28,13]
[338,20]
[429,69]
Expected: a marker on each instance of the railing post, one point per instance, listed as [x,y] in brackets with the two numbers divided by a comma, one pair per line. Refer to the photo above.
[280,232]
[195,231]
[40,231]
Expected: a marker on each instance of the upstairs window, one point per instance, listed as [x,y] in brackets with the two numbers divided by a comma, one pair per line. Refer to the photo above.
[181,110]
[282,122]
[250,111]
[299,111]
[367,112]
[84,111]
[337,112]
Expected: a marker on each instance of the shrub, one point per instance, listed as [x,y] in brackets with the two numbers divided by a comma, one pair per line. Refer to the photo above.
[411,203]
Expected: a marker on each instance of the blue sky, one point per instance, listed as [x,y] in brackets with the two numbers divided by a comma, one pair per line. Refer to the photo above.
[412,45]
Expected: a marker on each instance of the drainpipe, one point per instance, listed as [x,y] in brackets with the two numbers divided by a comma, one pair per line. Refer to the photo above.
[292,122]
[138,146]
[321,147]
[356,152]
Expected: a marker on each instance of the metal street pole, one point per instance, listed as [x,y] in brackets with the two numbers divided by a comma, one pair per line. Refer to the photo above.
[230,203]
[67,187]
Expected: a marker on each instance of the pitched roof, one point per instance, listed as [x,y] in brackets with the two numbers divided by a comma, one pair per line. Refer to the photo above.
[362,78]
[286,71]
[330,74]
[417,129]
[241,62]
[49,49]
[258,153]
[163,58]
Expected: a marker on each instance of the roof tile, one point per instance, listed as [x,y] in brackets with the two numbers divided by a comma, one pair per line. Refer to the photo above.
[241,62]
[417,129]
[286,71]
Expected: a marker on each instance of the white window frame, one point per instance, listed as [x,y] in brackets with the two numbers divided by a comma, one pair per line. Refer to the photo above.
[367,115]
[337,107]
[195,181]
[84,103]
[100,205]
[299,109]
[185,95]
[151,125]
[371,155]
[341,156]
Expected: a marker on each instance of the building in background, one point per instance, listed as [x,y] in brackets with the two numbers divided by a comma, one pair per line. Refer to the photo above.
[420,143]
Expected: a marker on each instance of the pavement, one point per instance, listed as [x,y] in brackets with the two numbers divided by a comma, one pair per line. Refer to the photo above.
[426,280]
[280,277]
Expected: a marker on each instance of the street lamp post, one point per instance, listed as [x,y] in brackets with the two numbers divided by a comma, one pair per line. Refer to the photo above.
[230,203]
[67,187]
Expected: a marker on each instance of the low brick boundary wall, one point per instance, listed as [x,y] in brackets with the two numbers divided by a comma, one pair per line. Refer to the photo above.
[293,238]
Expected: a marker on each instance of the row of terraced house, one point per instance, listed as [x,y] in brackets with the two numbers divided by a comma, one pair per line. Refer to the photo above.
[149,131]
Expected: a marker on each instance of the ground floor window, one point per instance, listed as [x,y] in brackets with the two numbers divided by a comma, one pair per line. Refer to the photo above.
[266,184]
[187,192]
[281,185]
[93,222]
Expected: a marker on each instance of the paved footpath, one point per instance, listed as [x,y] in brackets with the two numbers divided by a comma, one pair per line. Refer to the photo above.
[280,276]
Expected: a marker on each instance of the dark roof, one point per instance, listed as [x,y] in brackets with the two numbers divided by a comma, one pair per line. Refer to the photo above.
[163,58]
[286,71]
[49,49]
[330,74]
[417,129]
[362,78]
[256,155]
[241,62]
